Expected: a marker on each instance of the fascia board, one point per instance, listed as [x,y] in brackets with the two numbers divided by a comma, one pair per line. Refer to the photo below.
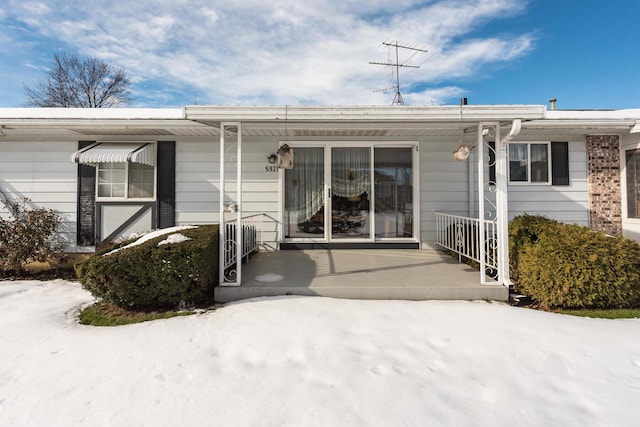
[362,113]
[580,124]
[78,123]
[91,113]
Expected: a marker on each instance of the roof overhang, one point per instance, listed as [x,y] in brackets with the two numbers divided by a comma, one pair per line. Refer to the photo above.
[587,122]
[312,121]
[360,121]
[100,121]
[362,114]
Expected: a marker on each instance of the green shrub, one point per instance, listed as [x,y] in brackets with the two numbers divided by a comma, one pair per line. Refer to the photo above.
[28,236]
[525,230]
[148,276]
[571,266]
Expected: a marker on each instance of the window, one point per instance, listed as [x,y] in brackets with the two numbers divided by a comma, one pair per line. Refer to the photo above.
[529,162]
[126,180]
[632,161]
[519,155]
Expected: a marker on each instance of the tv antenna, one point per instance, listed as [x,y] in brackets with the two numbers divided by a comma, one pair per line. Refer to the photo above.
[397,99]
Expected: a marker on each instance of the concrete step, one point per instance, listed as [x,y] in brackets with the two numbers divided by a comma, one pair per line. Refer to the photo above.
[488,292]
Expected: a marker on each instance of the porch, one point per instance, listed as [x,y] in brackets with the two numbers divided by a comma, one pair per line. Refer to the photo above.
[406,274]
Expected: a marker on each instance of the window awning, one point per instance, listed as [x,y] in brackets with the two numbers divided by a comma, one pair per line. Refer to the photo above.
[144,153]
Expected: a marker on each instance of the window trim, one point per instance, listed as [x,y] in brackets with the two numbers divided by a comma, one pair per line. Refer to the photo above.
[624,188]
[126,197]
[549,164]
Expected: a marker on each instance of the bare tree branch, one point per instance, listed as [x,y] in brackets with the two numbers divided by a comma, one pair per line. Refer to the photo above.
[75,82]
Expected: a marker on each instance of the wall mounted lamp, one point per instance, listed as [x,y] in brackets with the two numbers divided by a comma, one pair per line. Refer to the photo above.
[272,158]
[2,131]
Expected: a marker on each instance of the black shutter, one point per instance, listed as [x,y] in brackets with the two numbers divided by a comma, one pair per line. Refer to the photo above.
[492,161]
[86,221]
[166,183]
[560,163]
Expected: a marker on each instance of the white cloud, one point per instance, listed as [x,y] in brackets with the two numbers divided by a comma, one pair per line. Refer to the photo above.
[211,14]
[282,51]
[437,96]
[34,67]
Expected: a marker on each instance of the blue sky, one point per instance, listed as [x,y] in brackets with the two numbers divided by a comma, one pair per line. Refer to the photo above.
[252,52]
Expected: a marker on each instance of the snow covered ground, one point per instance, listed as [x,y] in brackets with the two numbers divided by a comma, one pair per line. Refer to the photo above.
[313,362]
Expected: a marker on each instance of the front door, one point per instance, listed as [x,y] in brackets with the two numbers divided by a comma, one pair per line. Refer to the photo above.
[366,194]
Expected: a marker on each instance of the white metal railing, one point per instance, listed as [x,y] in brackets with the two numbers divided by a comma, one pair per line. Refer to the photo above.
[251,239]
[470,238]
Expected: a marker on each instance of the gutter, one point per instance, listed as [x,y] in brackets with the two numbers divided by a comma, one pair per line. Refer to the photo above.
[516,126]
[503,212]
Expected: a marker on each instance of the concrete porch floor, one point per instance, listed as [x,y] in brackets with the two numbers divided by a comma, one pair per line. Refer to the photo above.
[406,274]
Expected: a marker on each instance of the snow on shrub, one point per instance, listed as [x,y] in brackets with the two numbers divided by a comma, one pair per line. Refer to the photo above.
[173,239]
[149,275]
[138,240]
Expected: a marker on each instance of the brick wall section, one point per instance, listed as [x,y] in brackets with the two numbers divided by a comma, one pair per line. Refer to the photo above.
[605,195]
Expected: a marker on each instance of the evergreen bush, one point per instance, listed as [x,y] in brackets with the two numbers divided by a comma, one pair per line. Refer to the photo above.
[149,276]
[27,236]
[525,230]
[570,266]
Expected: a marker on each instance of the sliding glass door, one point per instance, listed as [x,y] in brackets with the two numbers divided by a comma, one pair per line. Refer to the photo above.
[393,174]
[350,190]
[365,193]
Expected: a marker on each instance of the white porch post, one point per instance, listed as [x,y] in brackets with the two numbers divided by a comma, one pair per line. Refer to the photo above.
[221,231]
[239,241]
[501,204]
[481,208]
[235,207]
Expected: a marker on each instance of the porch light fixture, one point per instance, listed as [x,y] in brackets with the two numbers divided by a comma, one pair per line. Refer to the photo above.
[272,158]
[285,157]
[462,151]
[486,132]
[2,131]
[285,153]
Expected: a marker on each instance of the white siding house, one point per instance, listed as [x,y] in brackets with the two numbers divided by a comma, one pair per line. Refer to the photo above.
[381,172]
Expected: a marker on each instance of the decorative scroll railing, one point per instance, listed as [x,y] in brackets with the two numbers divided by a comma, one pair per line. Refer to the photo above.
[470,238]
[251,238]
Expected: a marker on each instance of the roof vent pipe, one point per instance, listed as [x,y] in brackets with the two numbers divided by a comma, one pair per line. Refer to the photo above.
[553,103]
